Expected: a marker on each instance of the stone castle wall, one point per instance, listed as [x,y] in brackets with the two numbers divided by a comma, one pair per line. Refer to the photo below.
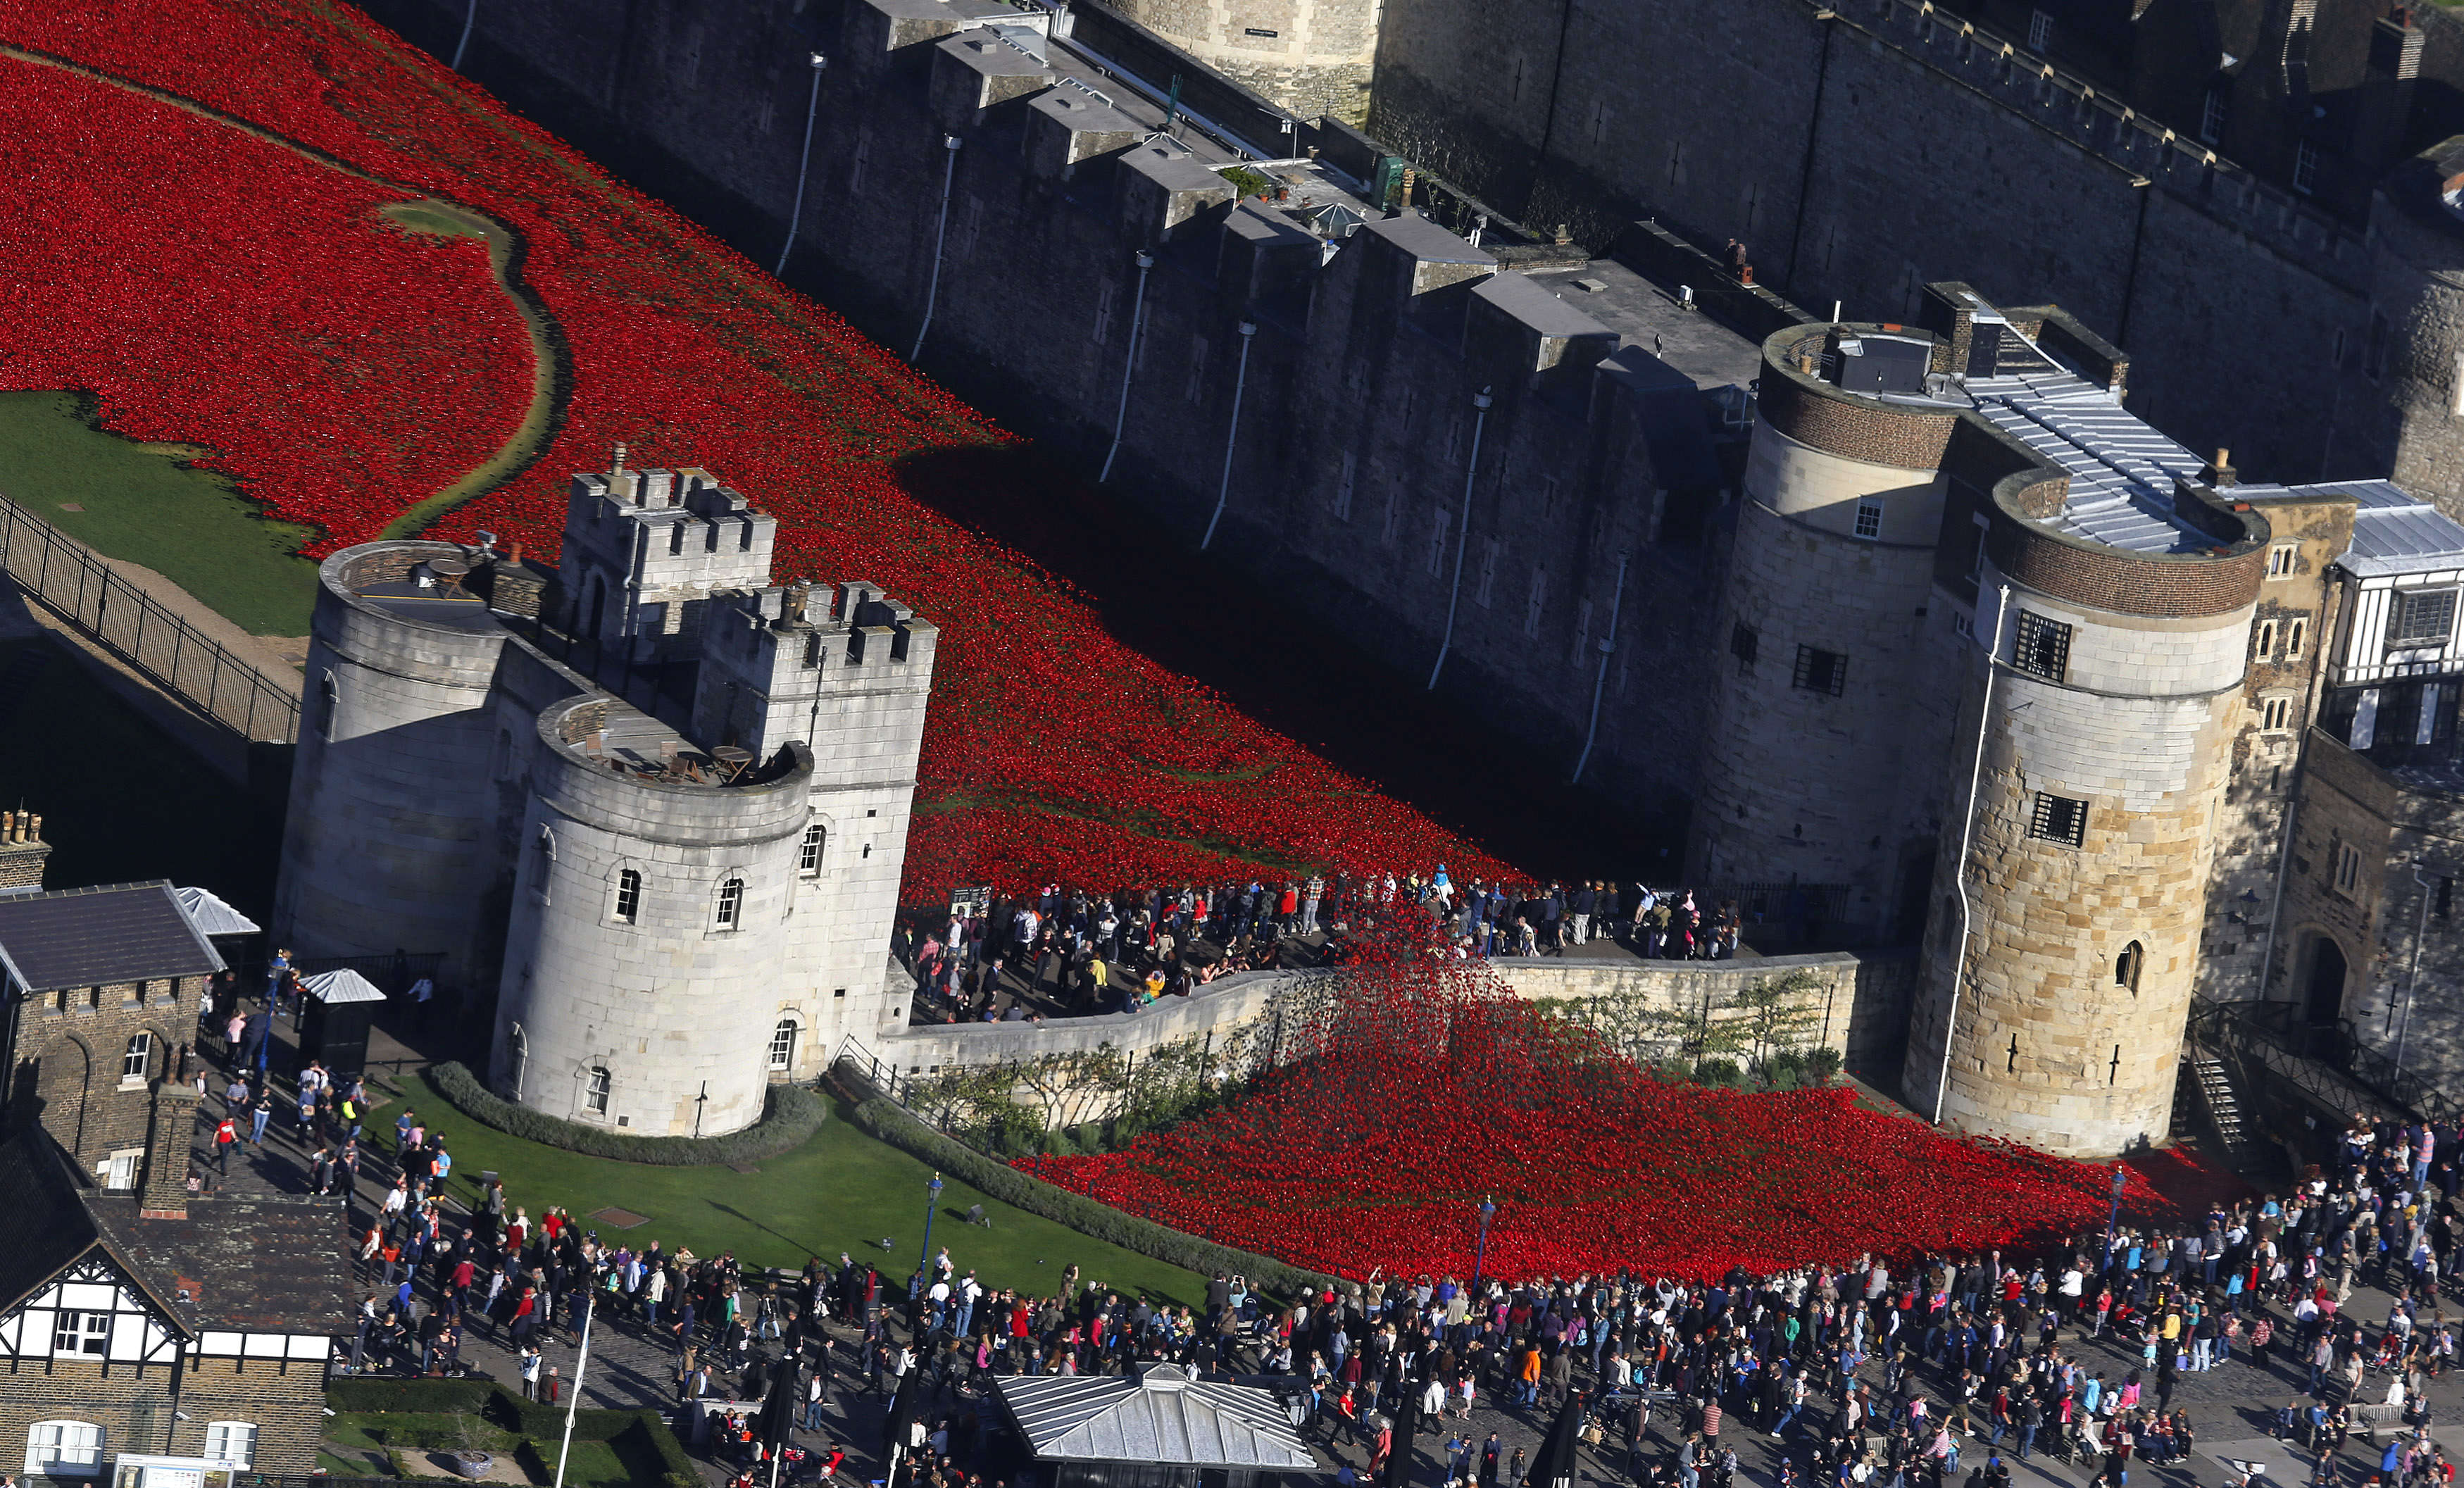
[1312,56]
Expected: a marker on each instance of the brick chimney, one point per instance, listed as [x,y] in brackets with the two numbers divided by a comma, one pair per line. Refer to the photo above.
[163,1193]
[22,850]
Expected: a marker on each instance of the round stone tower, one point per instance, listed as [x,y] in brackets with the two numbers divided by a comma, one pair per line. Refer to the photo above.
[2402,389]
[1824,735]
[391,829]
[2061,955]
[1310,57]
[650,923]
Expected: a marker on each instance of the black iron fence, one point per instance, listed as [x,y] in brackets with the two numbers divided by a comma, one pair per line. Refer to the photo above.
[2328,1059]
[74,582]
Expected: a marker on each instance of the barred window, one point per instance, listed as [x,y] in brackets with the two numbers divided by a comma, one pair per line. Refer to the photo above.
[1743,644]
[1819,671]
[629,896]
[2059,819]
[2426,617]
[2044,649]
[1869,517]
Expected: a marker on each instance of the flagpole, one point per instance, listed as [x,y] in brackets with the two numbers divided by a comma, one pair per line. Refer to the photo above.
[581,1362]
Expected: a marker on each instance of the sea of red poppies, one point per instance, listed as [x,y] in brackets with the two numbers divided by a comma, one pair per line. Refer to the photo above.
[343,371]
[1429,1088]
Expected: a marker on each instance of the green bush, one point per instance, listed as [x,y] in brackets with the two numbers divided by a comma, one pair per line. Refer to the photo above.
[1821,1065]
[790,1118]
[366,1393]
[1784,1070]
[677,1468]
[887,1120]
[1719,1072]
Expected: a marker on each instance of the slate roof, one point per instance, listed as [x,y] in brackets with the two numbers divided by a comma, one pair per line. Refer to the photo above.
[271,1262]
[91,937]
[1164,1417]
[48,1225]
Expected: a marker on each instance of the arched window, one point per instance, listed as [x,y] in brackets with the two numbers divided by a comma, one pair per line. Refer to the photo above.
[2265,647]
[64,1449]
[601,1083]
[543,860]
[2125,966]
[628,897]
[329,703]
[232,1441]
[808,860]
[137,1059]
[2293,635]
[783,1045]
[730,908]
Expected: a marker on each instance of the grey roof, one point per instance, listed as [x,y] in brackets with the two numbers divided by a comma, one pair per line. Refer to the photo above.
[2122,471]
[1534,306]
[1162,1417]
[1426,241]
[343,986]
[2394,531]
[93,937]
[211,915]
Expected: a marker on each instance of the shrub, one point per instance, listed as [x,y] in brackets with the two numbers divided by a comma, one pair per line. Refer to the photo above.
[790,1115]
[1784,1070]
[891,1122]
[1719,1072]
[368,1392]
[1821,1065]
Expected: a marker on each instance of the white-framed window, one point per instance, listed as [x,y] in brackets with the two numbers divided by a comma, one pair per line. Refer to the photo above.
[2347,877]
[138,1058]
[595,1095]
[2211,114]
[808,855]
[2305,166]
[627,906]
[119,1169]
[2282,558]
[76,1331]
[783,1045]
[64,1449]
[2040,30]
[2275,713]
[1869,517]
[232,1441]
[728,912]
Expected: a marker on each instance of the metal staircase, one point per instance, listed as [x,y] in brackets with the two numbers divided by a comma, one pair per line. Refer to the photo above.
[2205,1094]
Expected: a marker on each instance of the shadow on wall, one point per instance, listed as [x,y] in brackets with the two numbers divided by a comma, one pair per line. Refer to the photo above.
[1195,614]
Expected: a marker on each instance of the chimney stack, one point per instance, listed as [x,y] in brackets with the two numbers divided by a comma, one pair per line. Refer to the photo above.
[22,850]
[163,1193]
[2220,473]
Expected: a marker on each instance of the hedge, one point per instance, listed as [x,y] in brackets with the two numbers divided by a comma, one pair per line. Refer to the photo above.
[789,1117]
[501,1408]
[892,1123]
[377,1392]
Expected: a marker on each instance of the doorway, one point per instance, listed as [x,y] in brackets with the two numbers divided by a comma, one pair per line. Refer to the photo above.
[2326,999]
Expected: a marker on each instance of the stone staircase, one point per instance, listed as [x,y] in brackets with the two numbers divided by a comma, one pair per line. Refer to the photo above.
[2204,1099]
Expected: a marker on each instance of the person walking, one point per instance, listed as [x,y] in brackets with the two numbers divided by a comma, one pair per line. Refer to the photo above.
[226,1137]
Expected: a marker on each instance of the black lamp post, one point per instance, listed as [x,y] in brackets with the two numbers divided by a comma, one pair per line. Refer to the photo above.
[1480,1252]
[924,1262]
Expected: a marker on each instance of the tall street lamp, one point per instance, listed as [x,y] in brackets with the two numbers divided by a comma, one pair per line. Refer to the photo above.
[924,1262]
[2113,1217]
[1480,1252]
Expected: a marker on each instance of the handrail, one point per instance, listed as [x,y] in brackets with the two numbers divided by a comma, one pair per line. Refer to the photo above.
[2330,1062]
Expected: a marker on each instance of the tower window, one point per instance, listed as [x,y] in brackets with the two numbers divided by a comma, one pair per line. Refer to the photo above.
[329,704]
[2059,819]
[628,897]
[2040,30]
[2274,713]
[2263,647]
[1869,517]
[2282,559]
[2043,648]
[729,910]
[543,860]
[1743,642]
[809,856]
[2347,871]
[2293,635]
[137,1056]
[1819,671]
[783,1045]
[2125,966]
[595,1096]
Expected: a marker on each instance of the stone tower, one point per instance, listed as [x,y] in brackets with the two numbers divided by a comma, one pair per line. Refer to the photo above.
[1826,723]
[1309,56]
[655,803]
[2400,401]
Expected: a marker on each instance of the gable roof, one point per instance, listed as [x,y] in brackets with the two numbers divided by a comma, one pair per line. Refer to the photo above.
[93,937]
[46,1227]
[211,914]
[273,1262]
[1162,1417]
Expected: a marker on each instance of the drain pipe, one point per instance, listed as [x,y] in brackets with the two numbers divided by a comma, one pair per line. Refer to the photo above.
[940,235]
[1232,435]
[1600,683]
[1128,365]
[1463,534]
[470,15]
[804,166]
[1968,835]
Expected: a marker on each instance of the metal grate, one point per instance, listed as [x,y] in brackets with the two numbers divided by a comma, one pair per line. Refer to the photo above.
[2059,819]
[1819,671]
[1743,644]
[2044,649]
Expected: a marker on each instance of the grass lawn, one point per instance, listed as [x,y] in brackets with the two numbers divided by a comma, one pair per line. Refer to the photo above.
[842,1190]
[356,1443]
[121,799]
[140,502]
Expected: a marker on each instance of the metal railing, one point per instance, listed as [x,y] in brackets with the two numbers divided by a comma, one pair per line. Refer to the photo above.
[2327,1060]
[74,581]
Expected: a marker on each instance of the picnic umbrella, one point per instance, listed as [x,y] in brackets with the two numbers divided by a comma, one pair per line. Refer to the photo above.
[1554,1467]
[779,1412]
[1399,1455]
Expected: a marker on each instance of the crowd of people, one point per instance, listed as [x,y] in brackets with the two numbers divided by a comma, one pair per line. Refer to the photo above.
[1072,951]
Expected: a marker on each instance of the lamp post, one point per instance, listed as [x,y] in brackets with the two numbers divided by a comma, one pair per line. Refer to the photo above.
[924,1262]
[1480,1251]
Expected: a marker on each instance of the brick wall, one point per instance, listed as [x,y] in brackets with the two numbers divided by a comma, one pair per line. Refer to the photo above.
[2131,583]
[1815,413]
[74,1046]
